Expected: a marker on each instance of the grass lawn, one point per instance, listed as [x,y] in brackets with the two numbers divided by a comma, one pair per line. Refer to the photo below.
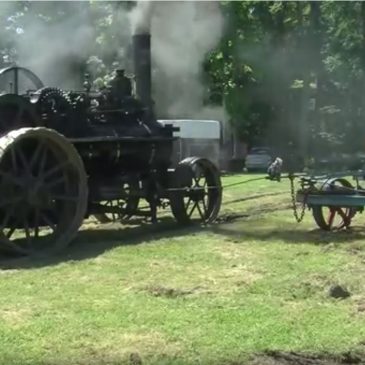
[166,295]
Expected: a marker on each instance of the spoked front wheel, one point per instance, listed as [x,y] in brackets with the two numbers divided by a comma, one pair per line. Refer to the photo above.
[196,194]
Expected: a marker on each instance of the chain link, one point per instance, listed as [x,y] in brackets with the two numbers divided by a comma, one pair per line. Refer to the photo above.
[299,216]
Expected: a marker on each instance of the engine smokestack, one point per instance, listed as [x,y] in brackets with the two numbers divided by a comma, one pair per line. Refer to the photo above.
[142,67]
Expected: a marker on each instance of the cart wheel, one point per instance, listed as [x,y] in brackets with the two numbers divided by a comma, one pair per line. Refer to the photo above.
[128,206]
[333,218]
[201,191]
[43,188]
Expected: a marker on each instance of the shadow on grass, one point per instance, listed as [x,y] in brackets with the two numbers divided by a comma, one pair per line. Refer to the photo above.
[94,241]
[91,242]
[266,357]
[289,234]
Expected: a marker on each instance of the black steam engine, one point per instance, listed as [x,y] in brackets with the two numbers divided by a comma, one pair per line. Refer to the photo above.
[66,155]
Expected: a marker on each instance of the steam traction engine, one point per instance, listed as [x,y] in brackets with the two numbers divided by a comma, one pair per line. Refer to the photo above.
[66,155]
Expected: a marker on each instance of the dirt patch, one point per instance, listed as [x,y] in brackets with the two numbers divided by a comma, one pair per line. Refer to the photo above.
[253,213]
[226,218]
[162,291]
[294,358]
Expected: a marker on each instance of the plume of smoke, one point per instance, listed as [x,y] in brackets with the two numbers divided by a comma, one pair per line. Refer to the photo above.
[182,34]
[55,51]
[56,48]
[140,17]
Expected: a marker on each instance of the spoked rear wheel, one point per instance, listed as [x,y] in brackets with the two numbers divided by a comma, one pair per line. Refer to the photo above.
[43,189]
[197,191]
[331,218]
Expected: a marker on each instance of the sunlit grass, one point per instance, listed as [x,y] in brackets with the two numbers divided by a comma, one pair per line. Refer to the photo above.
[196,295]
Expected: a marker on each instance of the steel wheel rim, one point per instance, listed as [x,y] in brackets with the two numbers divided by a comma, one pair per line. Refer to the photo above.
[44,195]
[333,218]
[200,196]
[201,207]
[336,217]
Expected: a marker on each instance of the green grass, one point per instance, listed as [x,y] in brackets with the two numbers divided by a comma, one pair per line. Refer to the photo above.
[189,296]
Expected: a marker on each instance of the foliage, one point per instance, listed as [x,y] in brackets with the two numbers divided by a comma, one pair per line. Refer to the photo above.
[277,59]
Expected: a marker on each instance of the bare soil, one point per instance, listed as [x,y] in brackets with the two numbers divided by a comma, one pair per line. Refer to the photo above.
[294,358]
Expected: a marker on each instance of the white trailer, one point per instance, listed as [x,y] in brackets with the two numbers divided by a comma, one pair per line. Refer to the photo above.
[196,138]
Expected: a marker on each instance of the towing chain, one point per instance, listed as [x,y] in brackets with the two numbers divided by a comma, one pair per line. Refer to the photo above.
[298,215]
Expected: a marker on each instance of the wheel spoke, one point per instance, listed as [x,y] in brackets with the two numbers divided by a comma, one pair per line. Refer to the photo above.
[204,206]
[345,217]
[196,180]
[55,169]
[197,174]
[5,240]
[27,231]
[48,221]
[111,203]
[37,154]
[188,204]
[202,179]
[11,230]
[42,162]
[36,222]
[202,215]
[24,161]
[331,217]
[192,209]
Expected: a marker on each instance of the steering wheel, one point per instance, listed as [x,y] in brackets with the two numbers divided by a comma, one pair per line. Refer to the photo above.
[18,80]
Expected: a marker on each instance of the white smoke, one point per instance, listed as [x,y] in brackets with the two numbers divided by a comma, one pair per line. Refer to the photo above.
[182,34]
[54,50]
[140,17]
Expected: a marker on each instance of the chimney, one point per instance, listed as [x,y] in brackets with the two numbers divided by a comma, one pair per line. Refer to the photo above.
[142,67]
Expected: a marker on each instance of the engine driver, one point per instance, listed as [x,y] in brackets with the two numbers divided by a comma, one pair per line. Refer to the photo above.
[120,86]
